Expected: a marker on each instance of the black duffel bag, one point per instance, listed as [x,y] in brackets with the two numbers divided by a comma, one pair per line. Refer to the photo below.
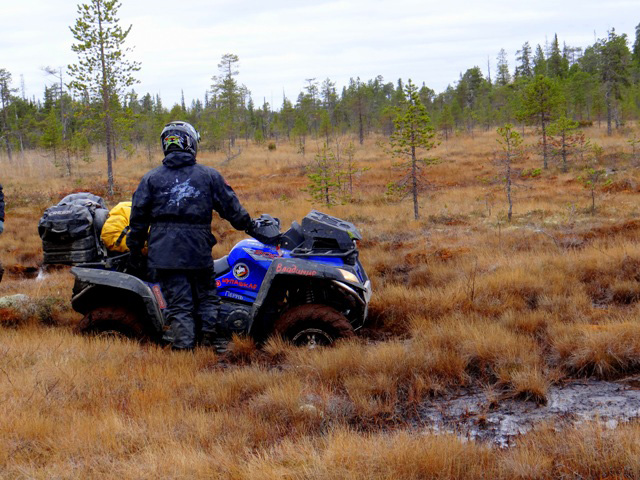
[70,230]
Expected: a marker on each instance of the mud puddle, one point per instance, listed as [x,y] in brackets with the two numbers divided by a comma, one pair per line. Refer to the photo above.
[475,415]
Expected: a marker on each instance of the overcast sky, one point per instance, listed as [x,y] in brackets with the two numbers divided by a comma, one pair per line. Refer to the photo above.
[281,43]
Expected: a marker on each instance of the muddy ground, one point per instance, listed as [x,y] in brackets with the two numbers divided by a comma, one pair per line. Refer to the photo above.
[475,414]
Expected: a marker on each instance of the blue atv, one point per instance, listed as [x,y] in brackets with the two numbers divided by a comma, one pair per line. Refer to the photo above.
[306,284]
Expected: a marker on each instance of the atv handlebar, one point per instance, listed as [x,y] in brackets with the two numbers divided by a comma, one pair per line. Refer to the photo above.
[265,229]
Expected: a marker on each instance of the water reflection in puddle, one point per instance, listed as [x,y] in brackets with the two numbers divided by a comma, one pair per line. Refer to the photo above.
[473,414]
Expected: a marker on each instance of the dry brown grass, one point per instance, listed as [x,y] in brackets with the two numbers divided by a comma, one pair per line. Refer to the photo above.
[462,298]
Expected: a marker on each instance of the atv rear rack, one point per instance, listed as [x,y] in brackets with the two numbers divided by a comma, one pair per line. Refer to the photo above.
[348,255]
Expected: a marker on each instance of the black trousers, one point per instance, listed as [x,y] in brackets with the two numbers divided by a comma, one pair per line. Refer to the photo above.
[192,304]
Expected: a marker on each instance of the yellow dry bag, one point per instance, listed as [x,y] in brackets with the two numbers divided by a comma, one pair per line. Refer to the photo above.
[114,232]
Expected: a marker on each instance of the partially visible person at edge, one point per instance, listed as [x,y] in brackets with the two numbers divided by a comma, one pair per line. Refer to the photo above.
[1,225]
[172,210]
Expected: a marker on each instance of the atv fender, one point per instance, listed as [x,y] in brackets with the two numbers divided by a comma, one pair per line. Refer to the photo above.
[296,267]
[100,281]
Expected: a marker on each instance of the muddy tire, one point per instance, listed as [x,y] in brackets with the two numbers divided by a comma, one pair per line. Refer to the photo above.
[313,325]
[113,322]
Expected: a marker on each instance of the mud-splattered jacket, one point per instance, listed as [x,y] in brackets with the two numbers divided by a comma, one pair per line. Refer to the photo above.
[174,204]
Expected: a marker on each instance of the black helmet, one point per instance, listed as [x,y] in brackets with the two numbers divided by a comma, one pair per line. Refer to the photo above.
[179,136]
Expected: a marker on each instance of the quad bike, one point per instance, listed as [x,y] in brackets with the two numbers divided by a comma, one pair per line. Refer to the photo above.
[306,285]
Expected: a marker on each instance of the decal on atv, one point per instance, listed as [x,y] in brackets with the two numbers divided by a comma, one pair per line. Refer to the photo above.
[294,270]
[157,292]
[237,283]
[241,271]
[261,255]
[234,295]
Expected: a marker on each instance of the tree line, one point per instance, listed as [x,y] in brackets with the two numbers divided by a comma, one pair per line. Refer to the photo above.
[93,102]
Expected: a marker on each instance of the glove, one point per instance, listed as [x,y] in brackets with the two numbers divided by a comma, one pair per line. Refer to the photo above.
[1,226]
[265,229]
[254,224]
[137,265]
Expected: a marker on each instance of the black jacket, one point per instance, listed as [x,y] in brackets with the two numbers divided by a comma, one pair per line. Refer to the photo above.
[1,204]
[176,201]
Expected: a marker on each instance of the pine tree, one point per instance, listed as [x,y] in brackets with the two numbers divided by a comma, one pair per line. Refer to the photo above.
[358,102]
[594,175]
[582,90]
[229,96]
[445,121]
[57,74]
[541,100]
[102,71]
[329,99]
[571,55]
[349,169]
[308,104]
[287,117]
[413,133]
[325,128]
[325,177]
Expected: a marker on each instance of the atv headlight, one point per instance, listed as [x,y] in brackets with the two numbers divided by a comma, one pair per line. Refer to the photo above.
[348,276]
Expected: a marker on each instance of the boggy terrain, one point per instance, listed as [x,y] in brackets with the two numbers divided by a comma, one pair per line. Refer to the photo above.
[464,302]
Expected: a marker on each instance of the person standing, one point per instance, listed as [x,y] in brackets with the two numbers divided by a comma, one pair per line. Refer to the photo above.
[172,211]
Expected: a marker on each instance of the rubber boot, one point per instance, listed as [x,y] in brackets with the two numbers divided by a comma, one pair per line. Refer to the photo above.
[215,339]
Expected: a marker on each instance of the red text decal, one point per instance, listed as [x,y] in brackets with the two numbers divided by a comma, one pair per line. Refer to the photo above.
[295,270]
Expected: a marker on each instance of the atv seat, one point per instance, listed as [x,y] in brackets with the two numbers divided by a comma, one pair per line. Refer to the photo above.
[221,266]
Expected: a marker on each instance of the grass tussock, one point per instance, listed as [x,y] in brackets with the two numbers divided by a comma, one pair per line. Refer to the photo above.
[591,451]
[605,351]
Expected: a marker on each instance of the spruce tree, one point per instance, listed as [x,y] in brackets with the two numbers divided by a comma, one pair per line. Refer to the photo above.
[614,72]
[51,138]
[503,77]
[563,141]
[557,65]
[5,100]
[539,62]
[635,53]
[523,56]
